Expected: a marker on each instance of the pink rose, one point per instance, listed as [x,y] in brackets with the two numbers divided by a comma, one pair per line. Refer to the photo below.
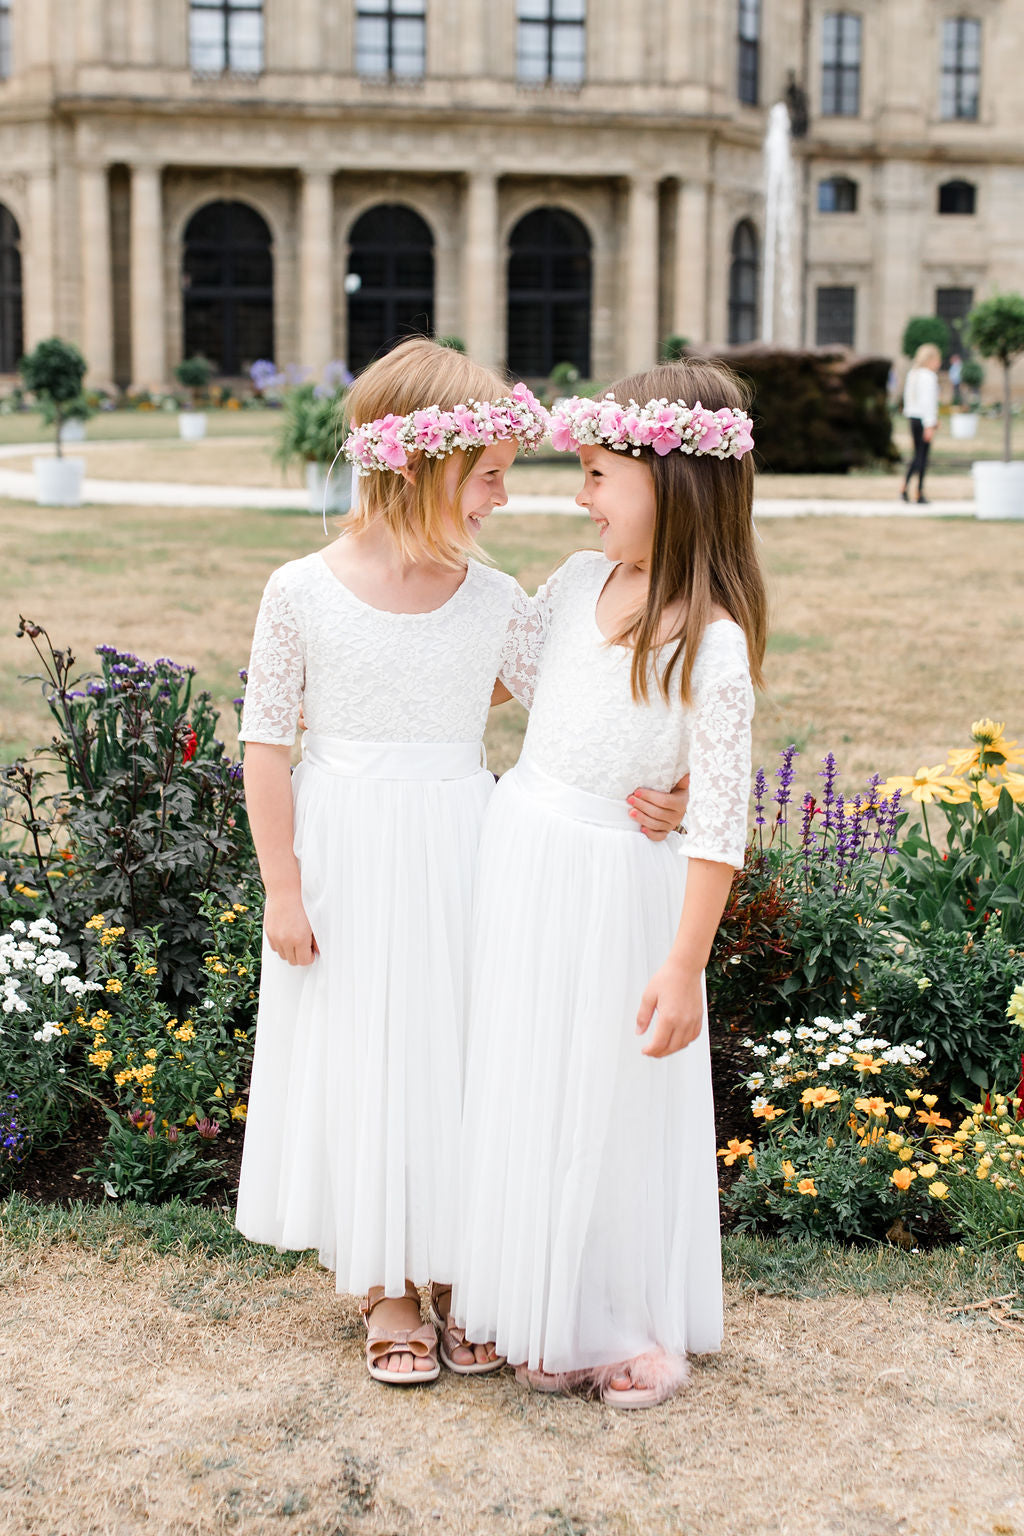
[562,439]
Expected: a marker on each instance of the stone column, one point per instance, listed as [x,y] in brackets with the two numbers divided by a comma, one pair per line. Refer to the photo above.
[39,270]
[149,359]
[689,307]
[641,309]
[97,316]
[481,276]
[316,313]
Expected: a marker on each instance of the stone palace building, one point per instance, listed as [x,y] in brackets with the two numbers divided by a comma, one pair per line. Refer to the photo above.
[550,180]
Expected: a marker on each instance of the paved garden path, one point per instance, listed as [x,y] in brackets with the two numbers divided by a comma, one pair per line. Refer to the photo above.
[19,485]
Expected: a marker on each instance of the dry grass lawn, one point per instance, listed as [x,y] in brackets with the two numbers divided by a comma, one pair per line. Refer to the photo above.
[214,461]
[178,1397]
[889,636]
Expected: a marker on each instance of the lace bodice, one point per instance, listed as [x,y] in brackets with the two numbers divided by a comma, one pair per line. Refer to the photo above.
[586,730]
[366,675]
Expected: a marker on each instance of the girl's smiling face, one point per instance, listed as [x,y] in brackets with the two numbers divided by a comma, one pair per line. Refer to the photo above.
[618,493]
[485,488]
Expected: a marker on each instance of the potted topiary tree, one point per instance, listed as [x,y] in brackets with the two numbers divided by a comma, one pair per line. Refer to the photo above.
[964,422]
[925,328]
[53,372]
[193,374]
[996,328]
[312,430]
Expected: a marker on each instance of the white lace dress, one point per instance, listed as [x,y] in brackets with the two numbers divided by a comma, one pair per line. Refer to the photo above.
[352,1138]
[591,1188]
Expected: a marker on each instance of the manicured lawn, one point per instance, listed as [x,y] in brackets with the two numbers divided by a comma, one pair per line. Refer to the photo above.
[889,637]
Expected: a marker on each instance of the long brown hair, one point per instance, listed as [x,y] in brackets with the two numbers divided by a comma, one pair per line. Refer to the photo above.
[415,374]
[704,551]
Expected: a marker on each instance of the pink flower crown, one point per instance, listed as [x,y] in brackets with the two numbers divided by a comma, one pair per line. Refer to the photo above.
[388,442]
[660,424]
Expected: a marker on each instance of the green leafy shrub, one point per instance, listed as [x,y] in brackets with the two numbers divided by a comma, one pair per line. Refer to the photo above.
[151,816]
[972,871]
[194,375]
[817,411]
[996,328]
[949,991]
[925,330]
[53,372]
[312,426]
[674,347]
[802,926]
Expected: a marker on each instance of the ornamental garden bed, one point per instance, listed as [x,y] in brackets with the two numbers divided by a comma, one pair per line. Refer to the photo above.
[866,986]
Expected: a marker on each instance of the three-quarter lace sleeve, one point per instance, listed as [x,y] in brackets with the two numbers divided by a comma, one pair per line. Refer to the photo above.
[277,671]
[525,637]
[716,818]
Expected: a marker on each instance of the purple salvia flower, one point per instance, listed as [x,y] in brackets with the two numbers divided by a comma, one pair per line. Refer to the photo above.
[760,790]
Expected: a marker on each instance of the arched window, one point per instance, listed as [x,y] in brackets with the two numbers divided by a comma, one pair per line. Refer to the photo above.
[837,194]
[957,197]
[549,285]
[391,252]
[743,278]
[11,346]
[228,283]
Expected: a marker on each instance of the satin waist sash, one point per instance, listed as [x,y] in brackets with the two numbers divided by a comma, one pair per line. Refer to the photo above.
[392,759]
[567,800]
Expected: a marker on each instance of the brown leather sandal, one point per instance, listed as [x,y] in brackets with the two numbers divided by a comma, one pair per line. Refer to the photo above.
[420,1342]
[453,1337]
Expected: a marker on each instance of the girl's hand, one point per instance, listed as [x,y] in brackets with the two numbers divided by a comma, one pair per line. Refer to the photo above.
[929,433]
[288,930]
[676,994]
[659,812]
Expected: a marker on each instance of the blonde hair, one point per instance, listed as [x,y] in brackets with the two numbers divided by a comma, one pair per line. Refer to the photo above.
[704,551]
[416,512]
[926,354]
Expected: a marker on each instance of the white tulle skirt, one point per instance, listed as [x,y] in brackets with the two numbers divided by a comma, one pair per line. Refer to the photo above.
[352,1136]
[590,1217]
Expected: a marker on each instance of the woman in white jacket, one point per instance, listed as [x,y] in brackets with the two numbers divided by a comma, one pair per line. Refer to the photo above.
[921,408]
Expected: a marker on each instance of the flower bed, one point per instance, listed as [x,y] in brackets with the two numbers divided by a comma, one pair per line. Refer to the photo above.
[866,987]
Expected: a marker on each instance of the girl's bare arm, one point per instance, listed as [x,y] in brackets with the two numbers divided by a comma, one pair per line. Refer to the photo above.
[268,799]
[674,992]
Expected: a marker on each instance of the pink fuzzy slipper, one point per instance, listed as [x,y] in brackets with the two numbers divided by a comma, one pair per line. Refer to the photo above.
[656,1376]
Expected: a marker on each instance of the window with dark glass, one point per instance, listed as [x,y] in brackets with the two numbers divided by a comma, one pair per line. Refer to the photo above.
[391,39]
[551,41]
[960,83]
[837,194]
[954,305]
[391,252]
[748,46]
[549,293]
[226,37]
[840,60]
[5,39]
[835,316]
[957,197]
[228,286]
[10,291]
[744,271]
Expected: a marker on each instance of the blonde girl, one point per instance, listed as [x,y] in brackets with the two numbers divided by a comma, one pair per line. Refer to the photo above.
[921,408]
[591,1241]
[389,641]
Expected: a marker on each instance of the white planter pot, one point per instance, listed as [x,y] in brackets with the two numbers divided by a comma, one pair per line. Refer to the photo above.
[72,431]
[192,425]
[998,488]
[339,498]
[965,424]
[59,481]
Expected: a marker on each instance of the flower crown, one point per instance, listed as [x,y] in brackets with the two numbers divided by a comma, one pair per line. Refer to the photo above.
[660,424]
[388,442]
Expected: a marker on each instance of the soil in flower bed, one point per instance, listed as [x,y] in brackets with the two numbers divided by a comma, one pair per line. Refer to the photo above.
[54,1174]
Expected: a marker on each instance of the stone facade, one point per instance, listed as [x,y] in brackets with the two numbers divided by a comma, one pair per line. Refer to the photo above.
[111,140]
